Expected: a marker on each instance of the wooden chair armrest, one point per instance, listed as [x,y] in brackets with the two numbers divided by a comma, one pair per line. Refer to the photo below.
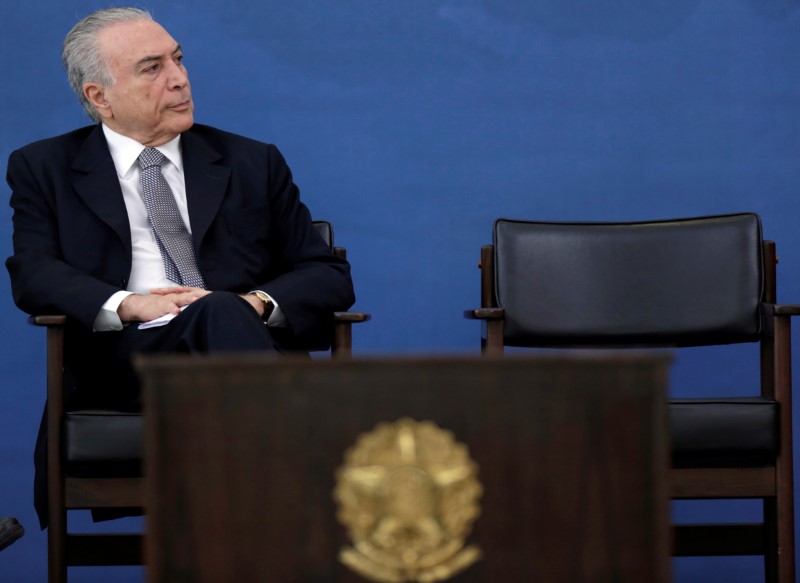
[485,314]
[51,320]
[352,317]
[342,332]
[787,310]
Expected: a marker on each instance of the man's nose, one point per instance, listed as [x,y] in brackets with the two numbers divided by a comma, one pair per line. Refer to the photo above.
[178,77]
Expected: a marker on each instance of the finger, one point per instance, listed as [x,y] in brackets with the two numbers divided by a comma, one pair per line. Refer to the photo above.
[163,291]
[196,294]
[183,299]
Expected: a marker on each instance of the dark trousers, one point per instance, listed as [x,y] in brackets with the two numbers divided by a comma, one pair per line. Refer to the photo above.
[100,363]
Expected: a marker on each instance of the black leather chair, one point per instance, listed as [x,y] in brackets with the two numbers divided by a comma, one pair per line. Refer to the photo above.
[686,282]
[94,457]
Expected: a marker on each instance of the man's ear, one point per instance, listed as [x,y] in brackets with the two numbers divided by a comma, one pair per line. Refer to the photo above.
[96,95]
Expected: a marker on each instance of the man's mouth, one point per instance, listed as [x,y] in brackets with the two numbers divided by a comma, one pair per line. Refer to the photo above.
[181,106]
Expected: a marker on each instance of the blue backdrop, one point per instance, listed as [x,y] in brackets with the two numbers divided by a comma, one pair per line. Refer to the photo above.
[412,125]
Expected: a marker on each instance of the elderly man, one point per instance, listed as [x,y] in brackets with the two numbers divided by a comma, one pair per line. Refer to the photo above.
[146,216]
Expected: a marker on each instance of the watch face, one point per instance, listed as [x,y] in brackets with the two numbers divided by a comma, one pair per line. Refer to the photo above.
[269,305]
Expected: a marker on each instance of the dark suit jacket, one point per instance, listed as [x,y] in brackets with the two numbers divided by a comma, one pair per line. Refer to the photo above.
[72,242]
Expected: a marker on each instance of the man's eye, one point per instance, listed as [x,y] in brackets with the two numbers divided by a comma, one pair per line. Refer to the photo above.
[151,69]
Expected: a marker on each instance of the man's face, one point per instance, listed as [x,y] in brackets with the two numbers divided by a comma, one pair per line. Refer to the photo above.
[150,100]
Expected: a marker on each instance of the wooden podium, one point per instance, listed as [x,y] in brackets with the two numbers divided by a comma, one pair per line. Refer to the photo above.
[546,468]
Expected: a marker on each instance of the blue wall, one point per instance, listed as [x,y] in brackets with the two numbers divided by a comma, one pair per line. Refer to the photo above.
[412,125]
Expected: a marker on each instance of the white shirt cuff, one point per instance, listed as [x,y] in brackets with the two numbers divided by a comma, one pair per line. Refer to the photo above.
[107,319]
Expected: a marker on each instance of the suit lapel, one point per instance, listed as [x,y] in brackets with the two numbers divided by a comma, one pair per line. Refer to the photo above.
[95,180]
[206,183]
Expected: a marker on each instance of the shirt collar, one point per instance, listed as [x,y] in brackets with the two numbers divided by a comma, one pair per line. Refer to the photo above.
[125,151]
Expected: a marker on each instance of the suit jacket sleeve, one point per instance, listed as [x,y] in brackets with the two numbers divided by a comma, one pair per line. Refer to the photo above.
[42,280]
[310,283]
[252,231]
[72,247]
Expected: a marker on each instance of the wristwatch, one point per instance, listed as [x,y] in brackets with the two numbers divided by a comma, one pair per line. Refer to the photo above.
[269,305]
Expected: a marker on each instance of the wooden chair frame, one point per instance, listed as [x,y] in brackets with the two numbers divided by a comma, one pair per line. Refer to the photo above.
[774,537]
[67,493]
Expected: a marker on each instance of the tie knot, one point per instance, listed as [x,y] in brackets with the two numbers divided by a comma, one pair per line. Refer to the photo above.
[150,157]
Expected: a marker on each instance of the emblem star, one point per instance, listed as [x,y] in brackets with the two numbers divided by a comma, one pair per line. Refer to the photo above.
[371,476]
[408,494]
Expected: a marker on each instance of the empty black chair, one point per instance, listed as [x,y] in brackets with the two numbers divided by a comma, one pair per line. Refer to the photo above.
[686,282]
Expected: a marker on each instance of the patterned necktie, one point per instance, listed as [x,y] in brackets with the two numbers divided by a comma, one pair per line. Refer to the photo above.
[174,241]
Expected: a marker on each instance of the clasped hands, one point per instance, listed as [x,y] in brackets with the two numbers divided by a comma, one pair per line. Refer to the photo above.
[168,300]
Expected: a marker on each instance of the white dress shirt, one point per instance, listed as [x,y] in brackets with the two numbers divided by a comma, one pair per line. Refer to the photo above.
[147,270]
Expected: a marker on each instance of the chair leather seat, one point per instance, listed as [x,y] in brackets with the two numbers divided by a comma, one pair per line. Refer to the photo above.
[704,432]
[104,443]
[723,432]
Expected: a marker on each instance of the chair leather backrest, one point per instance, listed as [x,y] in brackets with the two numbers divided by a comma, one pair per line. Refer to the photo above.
[684,282]
[325,229]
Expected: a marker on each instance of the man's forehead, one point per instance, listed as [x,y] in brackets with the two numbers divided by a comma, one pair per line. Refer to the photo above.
[131,41]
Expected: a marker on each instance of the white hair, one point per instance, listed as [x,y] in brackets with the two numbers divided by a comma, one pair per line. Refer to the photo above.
[82,56]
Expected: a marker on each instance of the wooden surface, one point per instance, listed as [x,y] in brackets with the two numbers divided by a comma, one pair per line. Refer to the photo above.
[242,455]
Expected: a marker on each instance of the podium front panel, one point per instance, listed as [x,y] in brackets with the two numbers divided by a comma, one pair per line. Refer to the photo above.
[519,469]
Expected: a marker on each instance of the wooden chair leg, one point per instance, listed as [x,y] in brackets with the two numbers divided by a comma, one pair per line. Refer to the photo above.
[57,514]
[781,508]
[780,556]
[494,338]
[57,547]
[342,341]
[770,541]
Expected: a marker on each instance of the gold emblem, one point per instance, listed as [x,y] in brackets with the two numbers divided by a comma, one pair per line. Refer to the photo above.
[408,494]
